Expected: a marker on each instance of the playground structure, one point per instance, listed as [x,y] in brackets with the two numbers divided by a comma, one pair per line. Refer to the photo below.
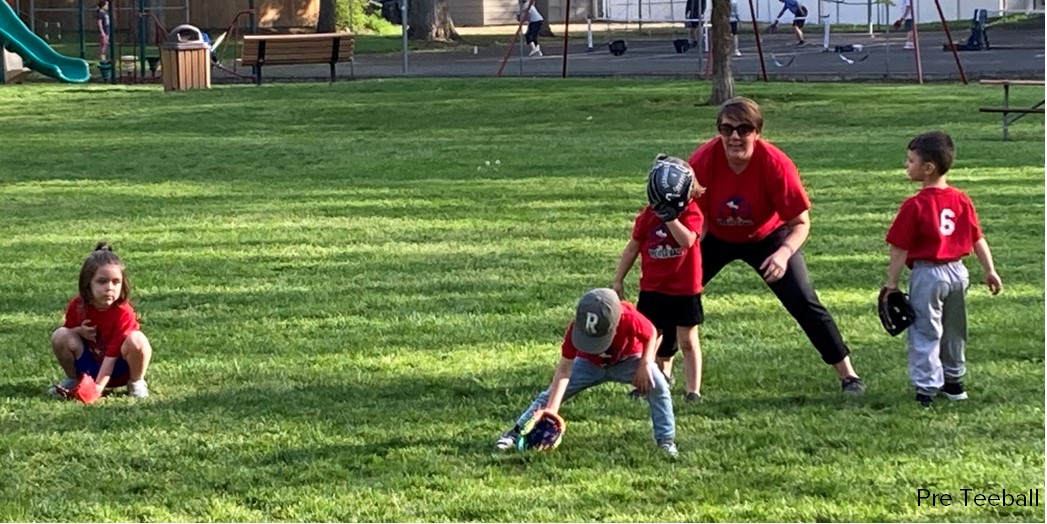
[137,30]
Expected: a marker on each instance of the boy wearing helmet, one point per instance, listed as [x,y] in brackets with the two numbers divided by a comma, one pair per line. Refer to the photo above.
[608,340]
[665,236]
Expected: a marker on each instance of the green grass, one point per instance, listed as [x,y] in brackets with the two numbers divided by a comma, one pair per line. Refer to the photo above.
[347,305]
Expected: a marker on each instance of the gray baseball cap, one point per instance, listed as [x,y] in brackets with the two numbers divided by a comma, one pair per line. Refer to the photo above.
[596,320]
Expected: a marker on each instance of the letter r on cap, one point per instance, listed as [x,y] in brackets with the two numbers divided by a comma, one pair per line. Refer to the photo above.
[590,323]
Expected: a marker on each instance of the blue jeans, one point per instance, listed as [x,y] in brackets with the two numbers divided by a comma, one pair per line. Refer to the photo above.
[585,375]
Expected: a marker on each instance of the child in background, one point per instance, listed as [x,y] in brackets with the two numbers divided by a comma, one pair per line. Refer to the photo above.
[670,276]
[101,335]
[931,234]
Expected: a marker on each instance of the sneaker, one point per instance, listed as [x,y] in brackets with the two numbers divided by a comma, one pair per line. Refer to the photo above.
[66,383]
[801,43]
[924,400]
[737,53]
[693,397]
[908,45]
[953,391]
[669,447]
[138,389]
[508,440]
[853,386]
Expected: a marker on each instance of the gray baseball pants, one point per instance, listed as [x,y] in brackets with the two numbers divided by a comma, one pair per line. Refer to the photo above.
[938,335]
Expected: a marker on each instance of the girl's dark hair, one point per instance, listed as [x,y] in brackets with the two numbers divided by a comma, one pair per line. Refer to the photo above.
[102,256]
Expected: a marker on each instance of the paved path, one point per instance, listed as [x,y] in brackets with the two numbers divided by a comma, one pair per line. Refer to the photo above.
[1020,55]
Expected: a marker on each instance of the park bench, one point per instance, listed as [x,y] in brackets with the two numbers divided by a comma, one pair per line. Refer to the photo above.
[313,48]
[1011,113]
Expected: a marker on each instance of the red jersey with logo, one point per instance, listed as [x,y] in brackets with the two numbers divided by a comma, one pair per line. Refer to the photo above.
[748,206]
[665,266]
[936,225]
[112,325]
[632,336]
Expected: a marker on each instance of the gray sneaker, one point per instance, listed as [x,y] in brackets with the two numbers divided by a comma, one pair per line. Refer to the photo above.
[138,389]
[669,447]
[853,386]
[66,383]
[508,440]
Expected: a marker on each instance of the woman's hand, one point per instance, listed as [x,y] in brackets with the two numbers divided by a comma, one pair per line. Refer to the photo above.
[774,267]
[619,289]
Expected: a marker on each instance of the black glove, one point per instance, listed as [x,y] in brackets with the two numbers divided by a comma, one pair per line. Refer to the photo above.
[895,311]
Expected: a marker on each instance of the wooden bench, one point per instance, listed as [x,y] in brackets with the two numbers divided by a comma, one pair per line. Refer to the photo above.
[1007,109]
[315,48]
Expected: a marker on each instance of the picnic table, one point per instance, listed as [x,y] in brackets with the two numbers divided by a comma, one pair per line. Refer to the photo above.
[1008,112]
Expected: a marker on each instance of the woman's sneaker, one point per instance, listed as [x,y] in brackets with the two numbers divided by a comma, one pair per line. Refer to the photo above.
[853,386]
[954,391]
[138,389]
[508,440]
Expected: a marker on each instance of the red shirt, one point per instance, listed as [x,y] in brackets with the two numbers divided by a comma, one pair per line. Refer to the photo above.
[631,338]
[665,267]
[111,326]
[936,225]
[748,206]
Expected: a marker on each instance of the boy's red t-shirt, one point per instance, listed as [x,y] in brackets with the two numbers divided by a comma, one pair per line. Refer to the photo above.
[665,266]
[633,334]
[748,206]
[112,325]
[936,225]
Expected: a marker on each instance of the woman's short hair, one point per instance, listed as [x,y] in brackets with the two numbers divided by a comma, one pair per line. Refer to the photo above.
[743,111]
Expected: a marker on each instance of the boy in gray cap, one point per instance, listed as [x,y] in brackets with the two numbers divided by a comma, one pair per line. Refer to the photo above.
[607,341]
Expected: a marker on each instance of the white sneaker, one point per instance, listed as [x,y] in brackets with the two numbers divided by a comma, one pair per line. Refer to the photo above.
[138,389]
[908,45]
[737,53]
[536,50]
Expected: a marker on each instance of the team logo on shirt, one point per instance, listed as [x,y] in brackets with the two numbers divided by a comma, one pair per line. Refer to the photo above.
[659,246]
[735,211]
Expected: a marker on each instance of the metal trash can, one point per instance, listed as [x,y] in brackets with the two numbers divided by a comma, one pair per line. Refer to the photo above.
[185,60]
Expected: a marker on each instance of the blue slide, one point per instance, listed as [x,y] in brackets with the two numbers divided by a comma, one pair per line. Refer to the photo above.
[35,53]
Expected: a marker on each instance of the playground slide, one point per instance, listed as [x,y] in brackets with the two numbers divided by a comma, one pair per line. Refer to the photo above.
[35,53]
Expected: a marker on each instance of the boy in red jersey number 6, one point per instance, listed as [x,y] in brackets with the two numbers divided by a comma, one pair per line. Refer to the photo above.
[931,234]
[101,336]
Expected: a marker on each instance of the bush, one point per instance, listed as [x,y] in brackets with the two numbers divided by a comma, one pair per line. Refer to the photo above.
[362,16]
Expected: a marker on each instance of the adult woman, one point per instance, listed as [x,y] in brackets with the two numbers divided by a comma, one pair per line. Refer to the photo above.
[756,210]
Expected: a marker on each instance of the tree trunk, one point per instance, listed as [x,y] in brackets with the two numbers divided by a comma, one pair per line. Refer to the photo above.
[722,43]
[543,9]
[326,20]
[430,20]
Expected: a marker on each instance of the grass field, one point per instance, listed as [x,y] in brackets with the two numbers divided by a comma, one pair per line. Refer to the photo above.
[348,304]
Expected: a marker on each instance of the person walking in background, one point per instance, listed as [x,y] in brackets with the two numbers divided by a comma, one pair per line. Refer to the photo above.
[695,14]
[931,234]
[906,23]
[102,18]
[529,13]
[734,26]
[799,12]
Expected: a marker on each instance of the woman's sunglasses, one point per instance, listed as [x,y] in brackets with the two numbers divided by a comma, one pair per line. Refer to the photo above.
[743,130]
